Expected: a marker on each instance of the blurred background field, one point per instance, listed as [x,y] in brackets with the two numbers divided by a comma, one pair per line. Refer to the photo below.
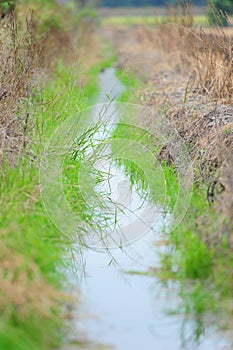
[129,20]
[131,11]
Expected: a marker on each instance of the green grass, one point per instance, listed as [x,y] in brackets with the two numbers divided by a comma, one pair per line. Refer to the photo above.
[201,20]
[199,260]
[158,180]
[34,254]
[31,322]
[131,82]
[201,268]
[92,87]
[129,147]
[80,179]
[191,258]
[39,246]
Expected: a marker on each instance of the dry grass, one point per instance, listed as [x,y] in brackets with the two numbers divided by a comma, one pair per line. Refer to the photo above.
[30,48]
[35,46]
[206,56]
[205,116]
[23,287]
[17,64]
[188,74]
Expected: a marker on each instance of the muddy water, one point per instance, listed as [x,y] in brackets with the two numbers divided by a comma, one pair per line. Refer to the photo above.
[130,311]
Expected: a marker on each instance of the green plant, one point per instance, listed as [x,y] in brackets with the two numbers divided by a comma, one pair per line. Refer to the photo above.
[37,96]
[219,10]
[6,7]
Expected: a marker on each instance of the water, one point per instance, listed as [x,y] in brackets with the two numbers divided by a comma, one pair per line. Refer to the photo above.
[129,311]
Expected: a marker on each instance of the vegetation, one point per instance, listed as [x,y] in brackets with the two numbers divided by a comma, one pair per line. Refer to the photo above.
[199,20]
[188,80]
[40,87]
[6,7]
[219,11]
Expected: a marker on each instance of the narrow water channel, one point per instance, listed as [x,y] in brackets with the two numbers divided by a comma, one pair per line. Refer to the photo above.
[130,311]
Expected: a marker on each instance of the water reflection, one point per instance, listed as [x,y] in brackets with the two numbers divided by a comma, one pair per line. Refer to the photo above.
[133,311]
